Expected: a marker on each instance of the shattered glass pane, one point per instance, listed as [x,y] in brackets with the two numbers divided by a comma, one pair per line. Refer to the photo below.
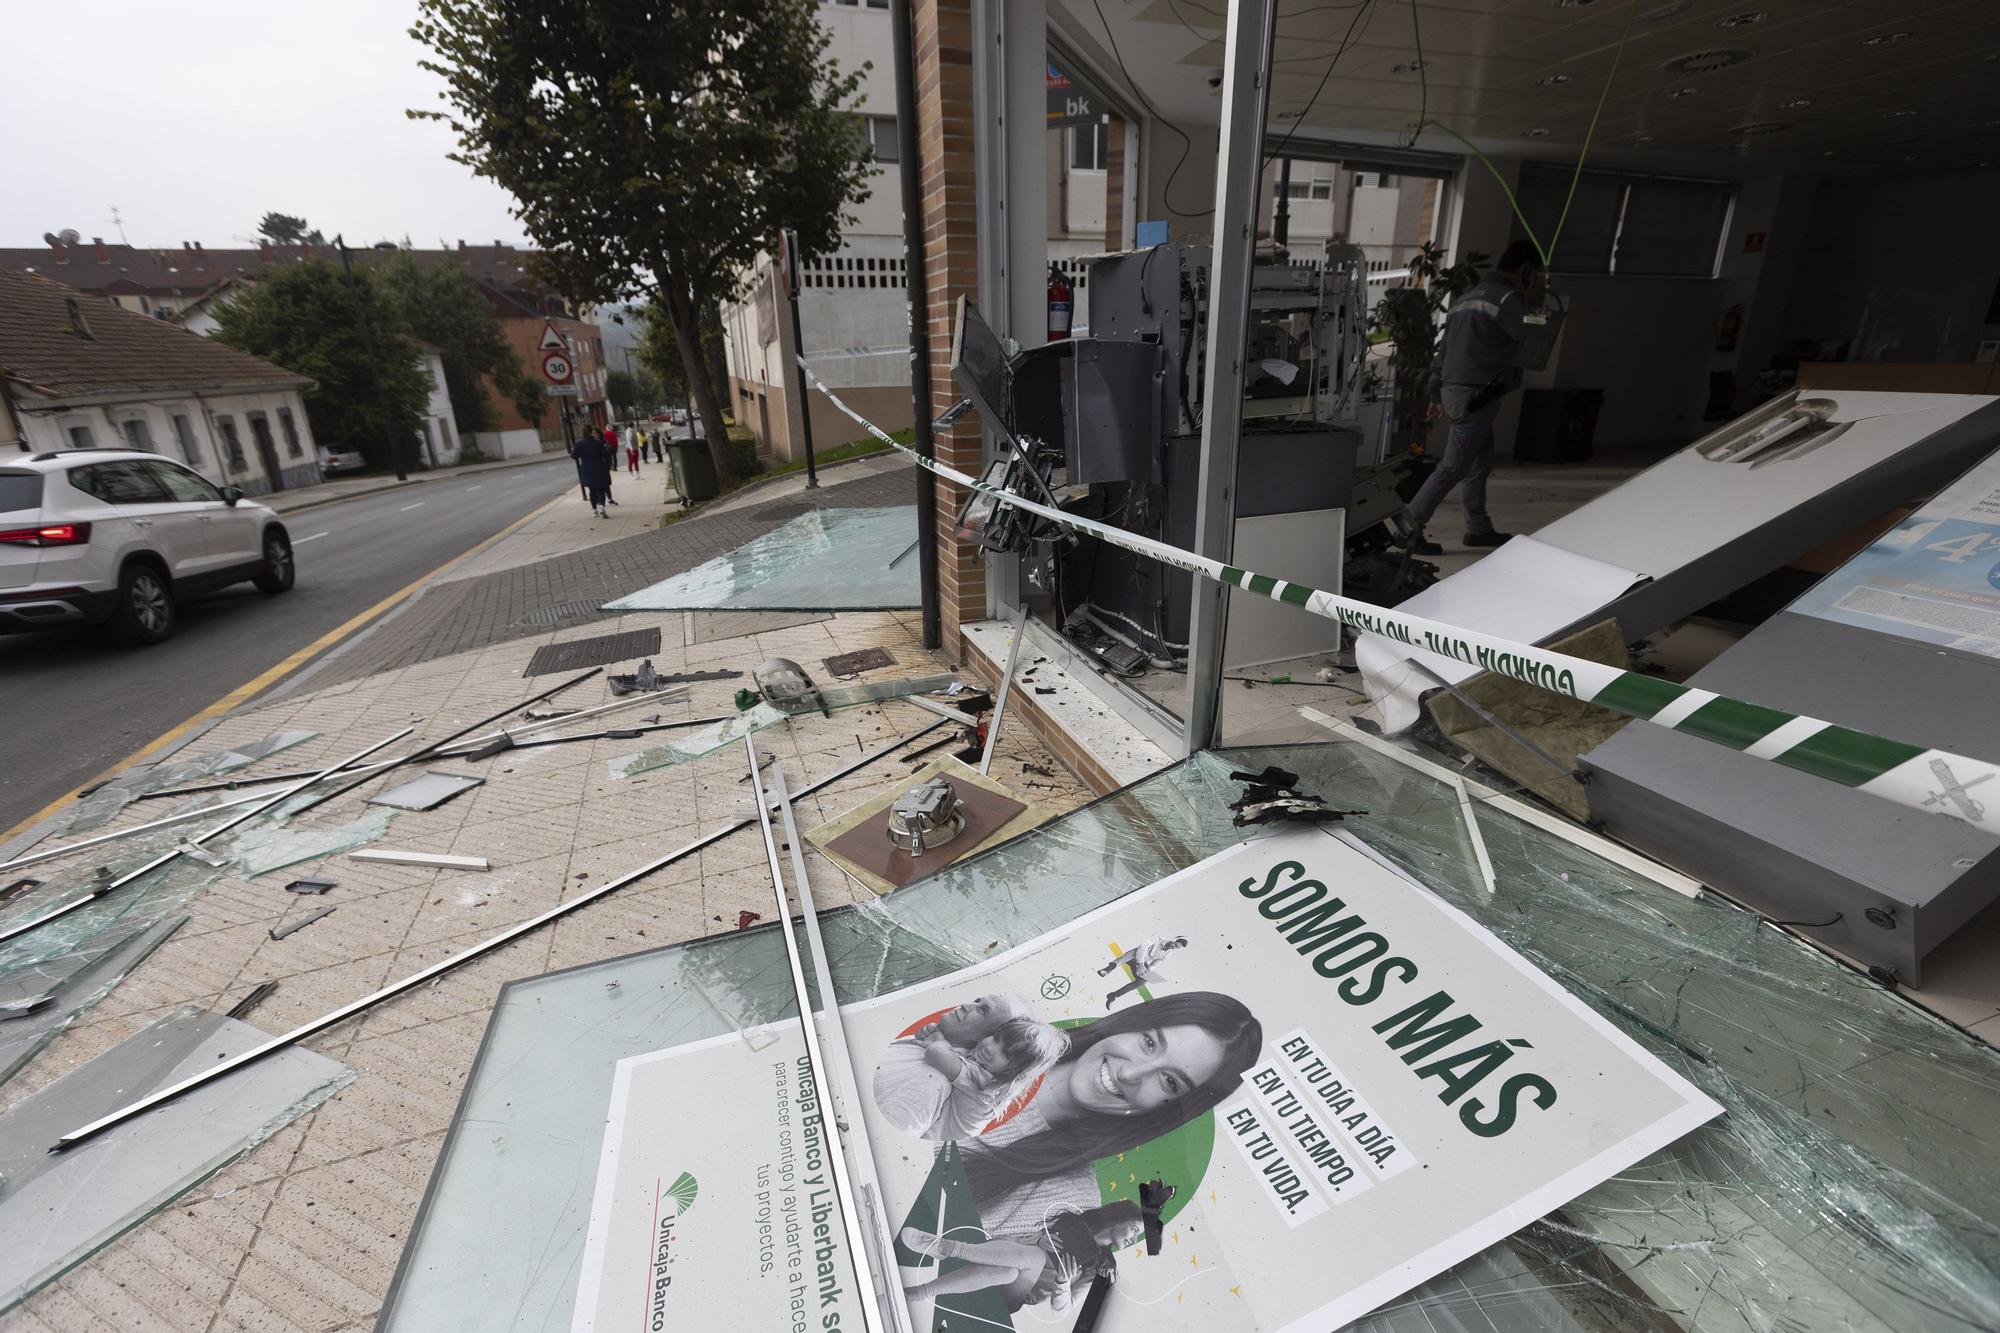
[707,740]
[146,900]
[59,1208]
[1854,1183]
[823,560]
[45,995]
[427,792]
[102,806]
[262,848]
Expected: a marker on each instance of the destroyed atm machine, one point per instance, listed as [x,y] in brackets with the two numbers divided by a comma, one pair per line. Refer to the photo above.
[1110,425]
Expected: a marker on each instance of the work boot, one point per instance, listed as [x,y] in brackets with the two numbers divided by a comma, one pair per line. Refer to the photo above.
[1419,544]
[1488,538]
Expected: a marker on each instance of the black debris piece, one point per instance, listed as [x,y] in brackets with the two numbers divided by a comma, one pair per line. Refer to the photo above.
[858,661]
[310,885]
[17,888]
[258,994]
[1272,797]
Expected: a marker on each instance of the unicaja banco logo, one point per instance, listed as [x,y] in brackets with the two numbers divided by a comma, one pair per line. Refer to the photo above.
[659,1276]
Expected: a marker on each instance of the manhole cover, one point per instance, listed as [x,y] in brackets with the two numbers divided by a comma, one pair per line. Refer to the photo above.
[858,661]
[561,611]
[600,651]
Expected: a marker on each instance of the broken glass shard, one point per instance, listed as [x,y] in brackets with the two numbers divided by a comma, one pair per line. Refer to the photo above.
[427,792]
[59,1208]
[261,849]
[824,560]
[45,996]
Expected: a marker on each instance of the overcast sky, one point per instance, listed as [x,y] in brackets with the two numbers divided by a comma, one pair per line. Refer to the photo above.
[194,119]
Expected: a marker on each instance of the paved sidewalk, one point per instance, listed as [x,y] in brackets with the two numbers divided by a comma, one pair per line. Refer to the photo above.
[522,600]
[645,502]
[346,488]
[303,1233]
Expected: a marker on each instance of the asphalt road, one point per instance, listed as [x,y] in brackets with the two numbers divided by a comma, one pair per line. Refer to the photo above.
[72,703]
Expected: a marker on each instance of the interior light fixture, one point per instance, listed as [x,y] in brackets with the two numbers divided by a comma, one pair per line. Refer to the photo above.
[1747,19]
[1407,67]
[1898,115]
[1795,104]
[1557,80]
[1574,4]
[1886,38]
[1682,92]
[1536,133]
[1667,11]
[1706,62]
[1642,138]
[1760,127]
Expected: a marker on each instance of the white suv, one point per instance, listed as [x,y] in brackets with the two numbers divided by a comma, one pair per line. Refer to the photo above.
[119,537]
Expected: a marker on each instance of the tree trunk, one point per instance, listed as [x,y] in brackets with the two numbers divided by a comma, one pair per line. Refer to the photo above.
[687,337]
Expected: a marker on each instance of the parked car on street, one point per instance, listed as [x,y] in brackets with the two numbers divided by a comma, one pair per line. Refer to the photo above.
[124,538]
[335,458]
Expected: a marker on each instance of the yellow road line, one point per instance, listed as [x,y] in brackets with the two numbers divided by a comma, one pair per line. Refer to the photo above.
[250,688]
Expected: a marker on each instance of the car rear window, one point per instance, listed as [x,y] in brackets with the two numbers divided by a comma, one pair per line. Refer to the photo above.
[20,490]
[119,483]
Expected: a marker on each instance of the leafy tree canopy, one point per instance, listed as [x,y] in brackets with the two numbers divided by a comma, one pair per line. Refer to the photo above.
[440,303]
[653,149]
[303,317]
[285,229]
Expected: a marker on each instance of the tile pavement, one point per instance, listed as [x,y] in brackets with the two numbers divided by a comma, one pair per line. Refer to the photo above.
[471,613]
[304,1232]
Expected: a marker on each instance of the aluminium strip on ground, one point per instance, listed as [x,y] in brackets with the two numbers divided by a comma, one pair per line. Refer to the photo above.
[102,890]
[1897,771]
[1006,688]
[875,1220]
[858,1247]
[84,1133]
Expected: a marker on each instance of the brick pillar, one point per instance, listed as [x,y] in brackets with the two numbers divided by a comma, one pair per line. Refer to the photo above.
[942,33]
[1114,184]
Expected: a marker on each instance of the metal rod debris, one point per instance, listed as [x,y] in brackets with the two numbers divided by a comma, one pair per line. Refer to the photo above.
[111,886]
[389,856]
[860,1247]
[84,1133]
[258,994]
[1006,685]
[301,923]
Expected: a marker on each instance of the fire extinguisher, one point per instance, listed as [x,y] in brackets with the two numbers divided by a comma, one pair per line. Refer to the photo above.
[1062,299]
[1729,329]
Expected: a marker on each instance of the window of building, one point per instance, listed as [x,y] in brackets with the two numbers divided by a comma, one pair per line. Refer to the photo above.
[137,433]
[82,437]
[126,483]
[883,143]
[291,430]
[232,447]
[184,436]
[1088,146]
[1645,226]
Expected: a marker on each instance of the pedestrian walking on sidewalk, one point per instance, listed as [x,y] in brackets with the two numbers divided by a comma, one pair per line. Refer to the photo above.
[609,441]
[593,468]
[632,452]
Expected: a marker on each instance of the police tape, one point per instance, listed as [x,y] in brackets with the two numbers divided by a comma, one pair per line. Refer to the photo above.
[1932,781]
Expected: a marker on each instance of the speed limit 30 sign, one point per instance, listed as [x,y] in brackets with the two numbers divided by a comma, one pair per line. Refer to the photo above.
[556,368]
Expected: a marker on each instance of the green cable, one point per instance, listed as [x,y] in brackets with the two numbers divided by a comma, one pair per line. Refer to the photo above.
[1547,252]
[1631,12]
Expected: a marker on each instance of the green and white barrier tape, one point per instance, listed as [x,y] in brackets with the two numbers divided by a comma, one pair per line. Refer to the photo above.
[1932,781]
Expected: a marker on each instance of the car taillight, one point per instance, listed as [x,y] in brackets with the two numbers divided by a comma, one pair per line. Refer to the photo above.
[49,534]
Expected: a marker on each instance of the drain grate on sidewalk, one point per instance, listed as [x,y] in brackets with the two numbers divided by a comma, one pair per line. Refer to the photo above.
[561,611]
[600,651]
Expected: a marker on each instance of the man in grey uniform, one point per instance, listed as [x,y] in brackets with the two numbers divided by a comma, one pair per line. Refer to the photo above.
[1473,370]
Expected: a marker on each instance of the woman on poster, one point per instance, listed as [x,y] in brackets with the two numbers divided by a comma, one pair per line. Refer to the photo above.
[1125,1080]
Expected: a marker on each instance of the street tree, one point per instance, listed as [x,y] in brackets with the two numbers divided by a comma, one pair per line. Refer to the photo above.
[440,303]
[654,151]
[282,228]
[303,317]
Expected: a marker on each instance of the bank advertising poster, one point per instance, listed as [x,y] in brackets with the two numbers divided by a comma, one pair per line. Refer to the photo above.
[1270,1092]
[1934,578]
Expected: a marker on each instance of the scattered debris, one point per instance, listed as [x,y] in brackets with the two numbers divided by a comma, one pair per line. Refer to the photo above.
[17,888]
[301,923]
[1045,689]
[746,918]
[428,792]
[1272,796]
[927,815]
[915,756]
[858,661]
[1027,767]
[258,994]
[435,860]
[202,854]
[310,885]
[645,679]
[761,762]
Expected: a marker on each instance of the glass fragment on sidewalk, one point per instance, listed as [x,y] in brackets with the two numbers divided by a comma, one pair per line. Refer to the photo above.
[823,560]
